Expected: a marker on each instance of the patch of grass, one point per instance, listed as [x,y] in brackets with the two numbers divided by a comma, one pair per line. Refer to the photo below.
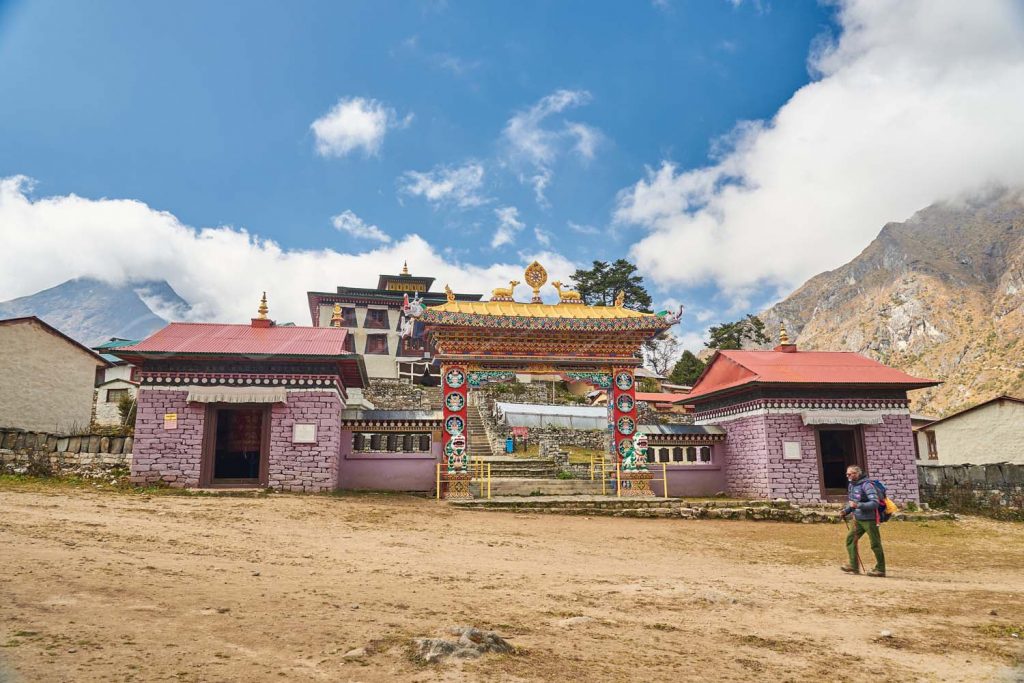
[1002,630]
[24,482]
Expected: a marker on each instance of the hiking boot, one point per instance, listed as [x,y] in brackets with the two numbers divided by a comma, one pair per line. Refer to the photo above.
[850,570]
[876,572]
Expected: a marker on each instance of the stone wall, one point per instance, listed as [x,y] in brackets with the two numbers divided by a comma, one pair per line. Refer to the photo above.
[746,456]
[171,456]
[308,466]
[795,480]
[39,453]
[553,437]
[396,394]
[992,489]
[889,449]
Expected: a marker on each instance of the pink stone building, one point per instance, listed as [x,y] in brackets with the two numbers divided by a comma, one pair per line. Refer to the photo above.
[242,405]
[795,420]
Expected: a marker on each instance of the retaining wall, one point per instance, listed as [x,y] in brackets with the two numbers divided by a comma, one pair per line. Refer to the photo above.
[41,453]
[994,489]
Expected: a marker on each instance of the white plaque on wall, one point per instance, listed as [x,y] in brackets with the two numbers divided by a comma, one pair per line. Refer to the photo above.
[303,433]
[790,450]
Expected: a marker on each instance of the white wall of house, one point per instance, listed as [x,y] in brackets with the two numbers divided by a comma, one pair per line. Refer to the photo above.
[118,372]
[108,412]
[46,382]
[988,434]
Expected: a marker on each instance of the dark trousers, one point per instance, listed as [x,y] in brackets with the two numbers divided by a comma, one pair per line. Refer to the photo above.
[869,527]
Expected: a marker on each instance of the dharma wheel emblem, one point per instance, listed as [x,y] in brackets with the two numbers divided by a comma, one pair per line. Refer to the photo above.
[536,277]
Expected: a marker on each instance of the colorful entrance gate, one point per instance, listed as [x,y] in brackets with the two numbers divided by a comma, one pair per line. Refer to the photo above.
[496,340]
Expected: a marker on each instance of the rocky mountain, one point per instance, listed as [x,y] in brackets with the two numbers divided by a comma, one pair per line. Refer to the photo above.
[92,311]
[940,295]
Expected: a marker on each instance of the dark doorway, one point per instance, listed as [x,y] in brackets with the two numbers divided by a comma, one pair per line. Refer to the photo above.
[839,450]
[238,446]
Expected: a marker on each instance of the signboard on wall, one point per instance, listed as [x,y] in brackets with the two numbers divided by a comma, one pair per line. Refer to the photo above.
[170,420]
[304,433]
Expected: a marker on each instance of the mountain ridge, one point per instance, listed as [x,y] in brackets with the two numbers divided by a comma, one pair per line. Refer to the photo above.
[91,311]
[939,295]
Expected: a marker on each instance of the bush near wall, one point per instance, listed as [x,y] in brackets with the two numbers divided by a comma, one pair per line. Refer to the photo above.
[994,490]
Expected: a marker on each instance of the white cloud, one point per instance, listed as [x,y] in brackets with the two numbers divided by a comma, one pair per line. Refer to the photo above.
[509,226]
[533,143]
[347,221]
[583,229]
[355,123]
[918,101]
[543,237]
[221,271]
[460,186]
[587,139]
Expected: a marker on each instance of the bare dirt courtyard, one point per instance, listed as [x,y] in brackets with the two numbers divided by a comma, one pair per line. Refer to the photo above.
[109,585]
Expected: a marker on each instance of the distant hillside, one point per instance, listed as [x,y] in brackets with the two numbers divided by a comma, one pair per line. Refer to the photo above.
[92,311]
[940,295]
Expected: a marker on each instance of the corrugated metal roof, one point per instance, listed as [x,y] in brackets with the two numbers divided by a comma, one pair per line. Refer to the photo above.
[799,367]
[215,338]
[659,397]
[679,429]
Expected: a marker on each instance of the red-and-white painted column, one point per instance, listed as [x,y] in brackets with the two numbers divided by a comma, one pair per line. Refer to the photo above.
[454,430]
[635,479]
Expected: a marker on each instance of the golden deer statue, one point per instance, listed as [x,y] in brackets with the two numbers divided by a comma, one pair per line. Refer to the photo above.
[566,295]
[504,293]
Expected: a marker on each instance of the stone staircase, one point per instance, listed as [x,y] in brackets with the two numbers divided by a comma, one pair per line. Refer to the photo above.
[476,434]
[522,486]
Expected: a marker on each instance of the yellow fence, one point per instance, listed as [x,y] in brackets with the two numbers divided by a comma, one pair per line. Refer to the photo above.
[611,476]
[479,471]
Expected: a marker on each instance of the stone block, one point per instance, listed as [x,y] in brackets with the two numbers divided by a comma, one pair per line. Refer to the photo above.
[128,444]
[19,441]
[976,474]
[1014,474]
[116,445]
[104,445]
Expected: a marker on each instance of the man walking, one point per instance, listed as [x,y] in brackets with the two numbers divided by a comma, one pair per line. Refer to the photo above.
[863,503]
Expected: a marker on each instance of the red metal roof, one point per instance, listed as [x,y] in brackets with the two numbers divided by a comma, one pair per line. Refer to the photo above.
[651,397]
[730,369]
[215,338]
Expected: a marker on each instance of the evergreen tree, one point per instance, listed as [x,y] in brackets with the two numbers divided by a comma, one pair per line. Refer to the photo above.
[687,369]
[602,283]
[732,335]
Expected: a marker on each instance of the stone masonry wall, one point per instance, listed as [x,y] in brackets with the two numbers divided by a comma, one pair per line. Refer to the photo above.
[39,453]
[746,456]
[396,394]
[171,456]
[889,450]
[795,480]
[307,466]
[996,490]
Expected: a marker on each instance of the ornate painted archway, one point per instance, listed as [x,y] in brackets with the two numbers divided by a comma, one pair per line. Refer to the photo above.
[495,340]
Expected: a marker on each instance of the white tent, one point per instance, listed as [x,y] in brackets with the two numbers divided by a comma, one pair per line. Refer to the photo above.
[566,417]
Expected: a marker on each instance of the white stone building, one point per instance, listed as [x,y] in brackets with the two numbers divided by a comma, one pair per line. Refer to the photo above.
[990,432]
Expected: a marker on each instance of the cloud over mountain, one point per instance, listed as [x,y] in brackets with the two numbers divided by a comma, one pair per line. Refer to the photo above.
[221,271]
[917,100]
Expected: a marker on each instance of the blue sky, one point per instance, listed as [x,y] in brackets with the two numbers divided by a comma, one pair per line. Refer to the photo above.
[575,130]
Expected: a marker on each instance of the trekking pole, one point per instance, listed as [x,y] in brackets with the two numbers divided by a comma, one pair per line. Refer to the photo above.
[856,544]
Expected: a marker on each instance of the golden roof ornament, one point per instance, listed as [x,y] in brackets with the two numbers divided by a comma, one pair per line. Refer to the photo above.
[336,316]
[504,293]
[536,277]
[620,299]
[263,310]
[449,293]
[566,296]
[405,268]
[783,337]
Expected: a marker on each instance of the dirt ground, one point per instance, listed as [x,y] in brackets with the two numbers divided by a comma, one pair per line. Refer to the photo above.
[107,585]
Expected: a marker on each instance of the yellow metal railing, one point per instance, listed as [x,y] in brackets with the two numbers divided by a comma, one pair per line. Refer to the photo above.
[479,470]
[611,477]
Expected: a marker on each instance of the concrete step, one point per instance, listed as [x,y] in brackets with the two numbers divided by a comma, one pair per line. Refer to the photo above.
[519,486]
